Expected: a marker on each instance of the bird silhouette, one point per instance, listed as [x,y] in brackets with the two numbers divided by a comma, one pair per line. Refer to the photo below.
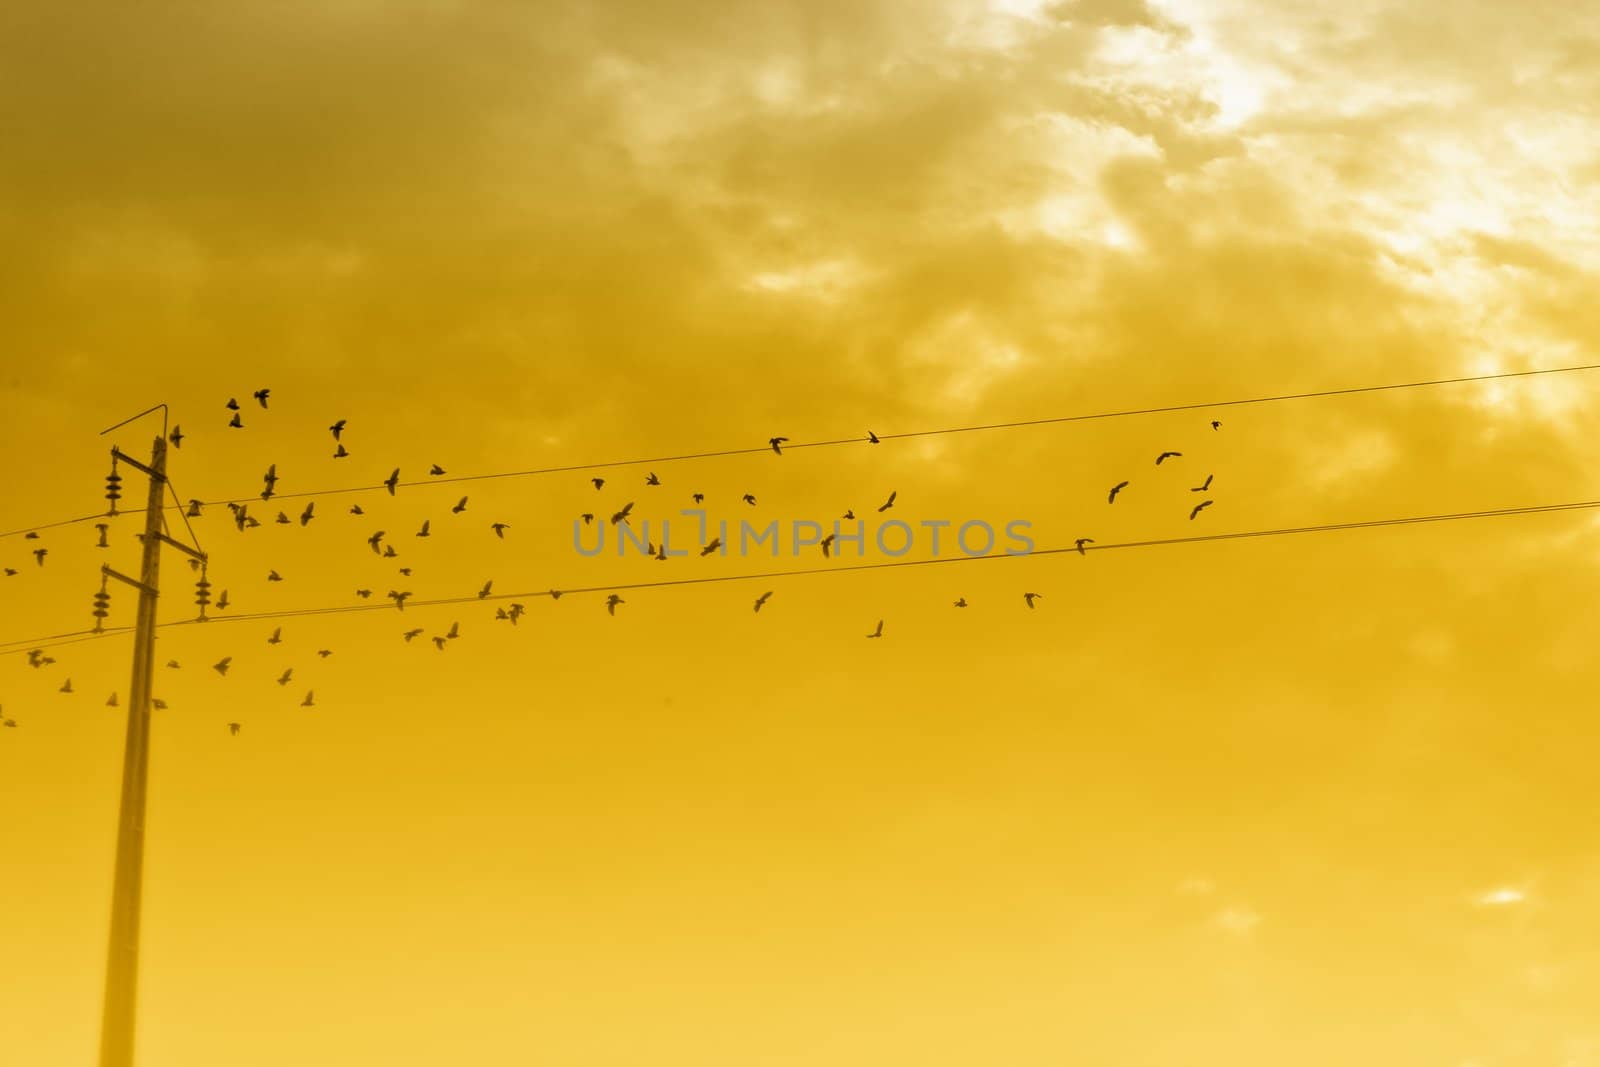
[611,603]
[9,723]
[961,603]
[324,652]
[307,702]
[1167,455]
[341,452]
[374,542]
[236,422]
[587,517]
[172,663]
[288,673]
[158,703]
[872,438]
[454,631]
[176,436]
[355,509]
[827,542]
[435,471]
[850,514]
[102,527]
[409,634]
[39,554]
[393,480]
[1031,597]
[222,665]
[233,404]
[277,637]
[1215,425]
[879,631]
[461,505]
[749,498]
[399,598]
[111,701]
[499,529]
[271,480]
[261,395]
[622,516]
[485,590]
[233,729]
[1115,489]
[31,535]
[306,516]
[1203,486]
[11,572]
[389,552]
[282,519]
[598,483]
[711,546]
[337,428]
[363,593]
[762,599]
[1198,508]
[699,498]
[66,687]
[274,576]
[406,571]
[438,642]
[424,531]
[194,509]
[661,554]
[777,444]
[652,480]
[222,601]
[887,504]
[1080,542]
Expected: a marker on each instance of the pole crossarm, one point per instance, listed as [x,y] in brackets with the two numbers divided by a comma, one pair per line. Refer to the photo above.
[109,573]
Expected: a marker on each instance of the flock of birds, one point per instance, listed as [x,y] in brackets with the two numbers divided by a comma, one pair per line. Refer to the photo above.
[379,544]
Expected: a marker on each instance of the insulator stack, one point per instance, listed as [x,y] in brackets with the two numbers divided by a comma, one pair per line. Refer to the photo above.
[113,488]
[102,607]
[202,593]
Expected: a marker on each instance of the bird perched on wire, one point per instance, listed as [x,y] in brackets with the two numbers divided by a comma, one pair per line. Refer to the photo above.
[872,438]
[485,590]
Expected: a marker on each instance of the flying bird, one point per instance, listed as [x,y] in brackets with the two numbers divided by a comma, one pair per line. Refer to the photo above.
[282,519]
[1080,542]
[454,631]
[11,572]
[438,642]
[176,436]
[652,480]
[850,514]
[363,593]
[1203,486]
[271,479]
[307,702]
[337,428]
[31,535]
[233,729]
[374,541]
[1115,489]
[961,603]
[598,483]
[409,634]
[485,590]
[393,480]
[222,601]
[749,498]
[66,686]
[699,498]
[277,637]
[887,504]
[714,544]
[221,666]
[1215,425]
[1198,508]
[762,599]
[158,703]
[274,576]
[261,395]
[341,452]
[172,663]
[288,673]
[355,509]
[587,517]
[611,603]
[499,529]
[879,631]
[389,552]
[777,444]
[324,652]
[305,516]
[435,470]
[622,516]
[872,438]
[1031,597]
[111,702]
[424,531]
[233,404]
[1167,455]
[399,598]
[826,542]
[39,554]
[461,505]
[236,422]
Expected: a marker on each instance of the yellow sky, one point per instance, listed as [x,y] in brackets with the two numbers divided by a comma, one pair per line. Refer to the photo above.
[1320,799]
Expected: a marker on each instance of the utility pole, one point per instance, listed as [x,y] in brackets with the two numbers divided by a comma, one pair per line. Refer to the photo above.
[122,959]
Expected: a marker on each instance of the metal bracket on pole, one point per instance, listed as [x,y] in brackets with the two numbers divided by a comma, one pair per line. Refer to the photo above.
[109,573]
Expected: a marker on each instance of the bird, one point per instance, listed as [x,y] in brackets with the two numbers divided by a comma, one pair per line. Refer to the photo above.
[233,729]
[399,598]
[1203,486]
[1115,489]
[158,703]
[1198,508]
[1080,542]
[622,516]
[305,516]
[1215,425]
[499,529]
[435,471]
[424,531]
[282,519]
[222,601]
[337,428]
[39,554]
[288,673]
[409,634]
[879,631]
[261,395]
[887,504]
[194,509]
[652,480]
[176,436]
[374,540]
[762,599]
[662,554]
[961,603]
[240,515]
[11,723]
[173,664]
[307,702]
[850,514]
[1031,597]
[112,701]
[393,480]
[777,444]
[749,498]
[277,637]
[826,542]
[363,593]
[454,631]
[66,687]
[102,527]
[271,479]
[598,483]
[611,603]
[324,652]
[236,422]
[438,642]
[872,438]
[389,552]
[699,498]
[355,509]
[31,535]
[341,452]
[1167,455]
[221,666]
[485,590]
[274,576]
[233,404]
[11,572]
[711,546]
[461,505]
[587,517]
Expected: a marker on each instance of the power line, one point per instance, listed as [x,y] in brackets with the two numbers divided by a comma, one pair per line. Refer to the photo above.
[1017,424]
[13,647]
